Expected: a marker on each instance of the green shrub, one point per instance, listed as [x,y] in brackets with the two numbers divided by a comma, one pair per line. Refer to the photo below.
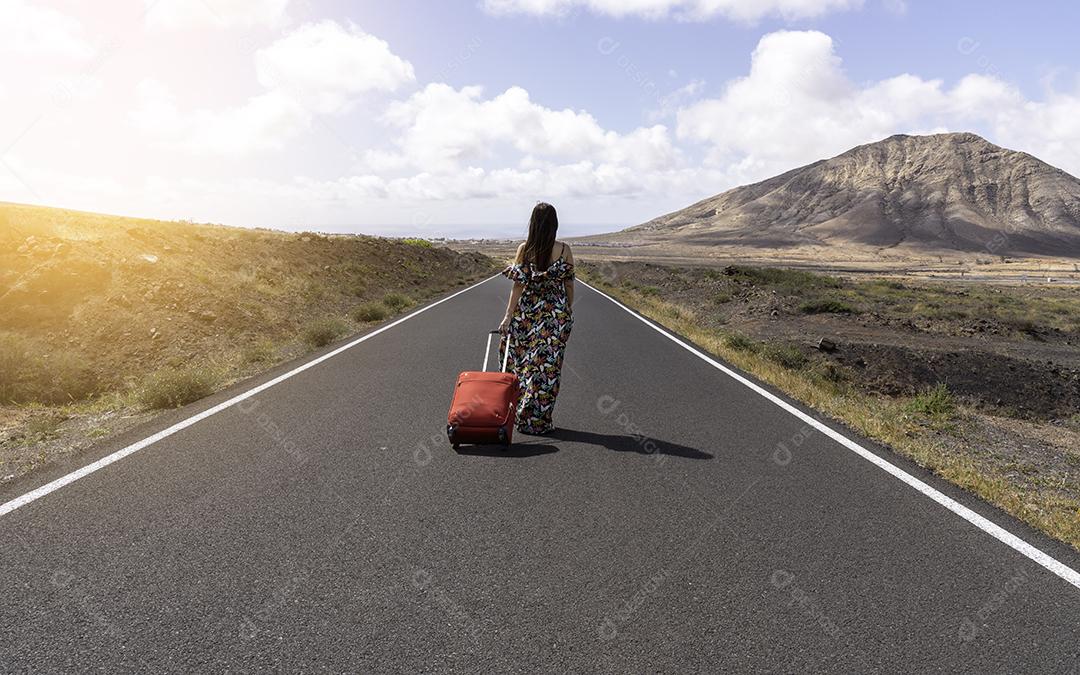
[176,387]
[831,372]
[790,280]
[936,401]
[650,290]
[1023,325]
[788,356]
[722,297]
[826,306]
[396,302]
[891,284]
[1073,422]
[415,241]
[369,311]
[929,309]
[322,332]
[739,342]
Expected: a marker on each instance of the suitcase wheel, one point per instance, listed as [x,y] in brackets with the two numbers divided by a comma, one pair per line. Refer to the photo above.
[504,437]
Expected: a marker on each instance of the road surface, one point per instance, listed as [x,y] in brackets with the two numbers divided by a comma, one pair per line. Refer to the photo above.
[677,521]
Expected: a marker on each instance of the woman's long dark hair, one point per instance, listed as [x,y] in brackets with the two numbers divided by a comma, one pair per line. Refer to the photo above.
[542,227]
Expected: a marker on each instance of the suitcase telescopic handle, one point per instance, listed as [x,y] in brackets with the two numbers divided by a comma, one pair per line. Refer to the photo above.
[487,349]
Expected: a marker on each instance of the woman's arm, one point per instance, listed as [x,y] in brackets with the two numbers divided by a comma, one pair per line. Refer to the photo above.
[569,256]
[515,294]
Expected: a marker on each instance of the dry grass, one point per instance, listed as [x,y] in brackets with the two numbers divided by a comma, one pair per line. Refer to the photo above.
[174,387]
[33,372]
[95,304]
[911,426]
[827,306]
[369,311]
[260,351]
[396,302]
[107,316]
[322,332]
[936,402]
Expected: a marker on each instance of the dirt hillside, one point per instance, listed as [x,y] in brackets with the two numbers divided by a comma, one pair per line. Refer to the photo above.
[912,196]
[102,317]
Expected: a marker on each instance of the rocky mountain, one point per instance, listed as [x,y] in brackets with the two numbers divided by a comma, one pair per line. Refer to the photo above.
[913,194]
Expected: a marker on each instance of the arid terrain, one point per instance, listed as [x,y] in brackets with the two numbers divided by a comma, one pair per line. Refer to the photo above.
[1062,271]
[104,319]
[980,382]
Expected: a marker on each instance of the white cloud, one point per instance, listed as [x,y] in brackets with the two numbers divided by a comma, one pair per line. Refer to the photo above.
[28,29]
[1048,129]
[797,105]
[460,154]
[584,180]
[316,69]
[243,199]
[192,14]
[690,10]
[264,122]
[326,64]
[443,128]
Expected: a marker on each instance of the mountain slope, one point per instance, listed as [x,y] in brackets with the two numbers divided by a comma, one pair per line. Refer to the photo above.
[921,194]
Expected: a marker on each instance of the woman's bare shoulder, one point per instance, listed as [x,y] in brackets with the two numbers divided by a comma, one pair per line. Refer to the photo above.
[567,253]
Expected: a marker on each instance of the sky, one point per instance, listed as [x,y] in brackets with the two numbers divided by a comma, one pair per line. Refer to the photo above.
[454,118]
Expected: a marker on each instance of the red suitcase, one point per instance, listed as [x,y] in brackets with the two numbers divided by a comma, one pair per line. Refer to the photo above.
[484,405]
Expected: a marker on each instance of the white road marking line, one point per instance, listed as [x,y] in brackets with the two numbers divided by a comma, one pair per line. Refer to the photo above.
[1004,536]
[487,348]
[105,461]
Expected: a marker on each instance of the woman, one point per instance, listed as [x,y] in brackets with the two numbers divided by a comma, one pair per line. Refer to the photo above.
[538,318]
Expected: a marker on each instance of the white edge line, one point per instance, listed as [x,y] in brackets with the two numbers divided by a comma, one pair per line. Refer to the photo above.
[105,461]
[1004,536]
[487,348]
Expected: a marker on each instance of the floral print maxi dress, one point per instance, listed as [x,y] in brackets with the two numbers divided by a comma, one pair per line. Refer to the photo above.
[538,333]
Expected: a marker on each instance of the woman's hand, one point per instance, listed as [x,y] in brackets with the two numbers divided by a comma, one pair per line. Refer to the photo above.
[504,327]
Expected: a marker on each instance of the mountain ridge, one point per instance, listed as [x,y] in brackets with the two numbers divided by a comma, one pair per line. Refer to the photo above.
[954,192]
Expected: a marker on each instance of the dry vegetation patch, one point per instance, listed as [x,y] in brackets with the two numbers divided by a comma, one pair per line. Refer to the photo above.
[103,318]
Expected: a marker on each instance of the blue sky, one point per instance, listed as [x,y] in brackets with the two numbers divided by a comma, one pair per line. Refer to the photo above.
[453,118]
[1024,41]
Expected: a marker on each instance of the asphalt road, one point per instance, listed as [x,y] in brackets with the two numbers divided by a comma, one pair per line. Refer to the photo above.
[324,524]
